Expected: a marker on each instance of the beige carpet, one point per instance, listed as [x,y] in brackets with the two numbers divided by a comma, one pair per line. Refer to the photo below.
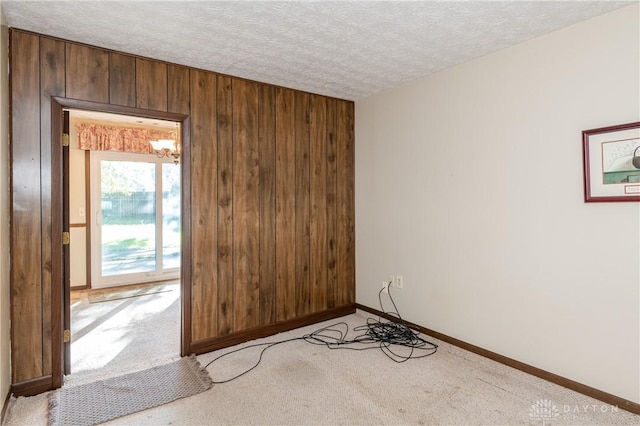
[299,383]
[120,336]
[104,295]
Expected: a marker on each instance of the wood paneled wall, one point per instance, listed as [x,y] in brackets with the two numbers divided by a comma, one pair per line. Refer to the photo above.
[272,203]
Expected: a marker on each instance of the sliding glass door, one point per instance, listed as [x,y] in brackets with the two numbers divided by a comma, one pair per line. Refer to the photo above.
[135,232]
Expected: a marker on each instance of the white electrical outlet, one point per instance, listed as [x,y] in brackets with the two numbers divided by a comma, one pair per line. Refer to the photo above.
[392,280]
[385,287]
[399,281]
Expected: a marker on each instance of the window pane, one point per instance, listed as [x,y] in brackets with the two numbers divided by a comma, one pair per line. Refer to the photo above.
[170,216]
[128,217]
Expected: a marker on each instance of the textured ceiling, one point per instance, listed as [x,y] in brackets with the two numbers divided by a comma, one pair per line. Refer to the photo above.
[347,49]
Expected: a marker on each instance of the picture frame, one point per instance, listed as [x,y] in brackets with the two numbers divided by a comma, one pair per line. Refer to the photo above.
[611,161]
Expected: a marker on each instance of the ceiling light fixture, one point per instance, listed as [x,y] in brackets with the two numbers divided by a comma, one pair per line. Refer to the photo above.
[169,148]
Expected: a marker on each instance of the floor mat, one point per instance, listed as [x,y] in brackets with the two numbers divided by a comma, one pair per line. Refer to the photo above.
[99,402]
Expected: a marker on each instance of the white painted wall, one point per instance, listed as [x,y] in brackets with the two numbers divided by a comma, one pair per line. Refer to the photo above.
[469,184]
[5,355]
[77,201]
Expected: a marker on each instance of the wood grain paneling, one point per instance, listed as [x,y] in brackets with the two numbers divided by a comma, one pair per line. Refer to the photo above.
[122,80]
[346,204]
[87,73]
[52,83]
[318,202]
[26,235]
[267,146]
[246,205]
[285,204]
[204,293]
[225,205]
[178,89]
[303,291]
[151,84]
[267,213]
[332,209]
[186,258]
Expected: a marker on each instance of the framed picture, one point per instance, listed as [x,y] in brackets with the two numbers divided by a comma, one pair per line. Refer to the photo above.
[611,158]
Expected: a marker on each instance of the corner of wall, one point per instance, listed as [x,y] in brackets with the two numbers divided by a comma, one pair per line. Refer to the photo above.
[487,226]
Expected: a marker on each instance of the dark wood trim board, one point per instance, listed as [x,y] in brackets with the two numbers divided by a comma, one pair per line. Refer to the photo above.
[33,386]
[209,345]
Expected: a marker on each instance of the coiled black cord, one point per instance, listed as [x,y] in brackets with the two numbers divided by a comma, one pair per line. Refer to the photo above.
[396,340]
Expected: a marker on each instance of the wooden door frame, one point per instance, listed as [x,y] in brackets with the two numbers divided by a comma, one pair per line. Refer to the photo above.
[57,270]
[66,248]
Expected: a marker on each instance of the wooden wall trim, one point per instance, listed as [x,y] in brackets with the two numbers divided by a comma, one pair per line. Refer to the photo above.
[119,109]
[57,304]
[33,386]
[518,365]
[209,345]
[56,300]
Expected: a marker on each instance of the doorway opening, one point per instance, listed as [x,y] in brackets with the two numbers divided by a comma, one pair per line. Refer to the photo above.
[135,225]
[124,209]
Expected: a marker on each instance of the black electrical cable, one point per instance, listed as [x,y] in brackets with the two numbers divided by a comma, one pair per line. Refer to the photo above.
[267,346]
[392,334]
[388,336]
